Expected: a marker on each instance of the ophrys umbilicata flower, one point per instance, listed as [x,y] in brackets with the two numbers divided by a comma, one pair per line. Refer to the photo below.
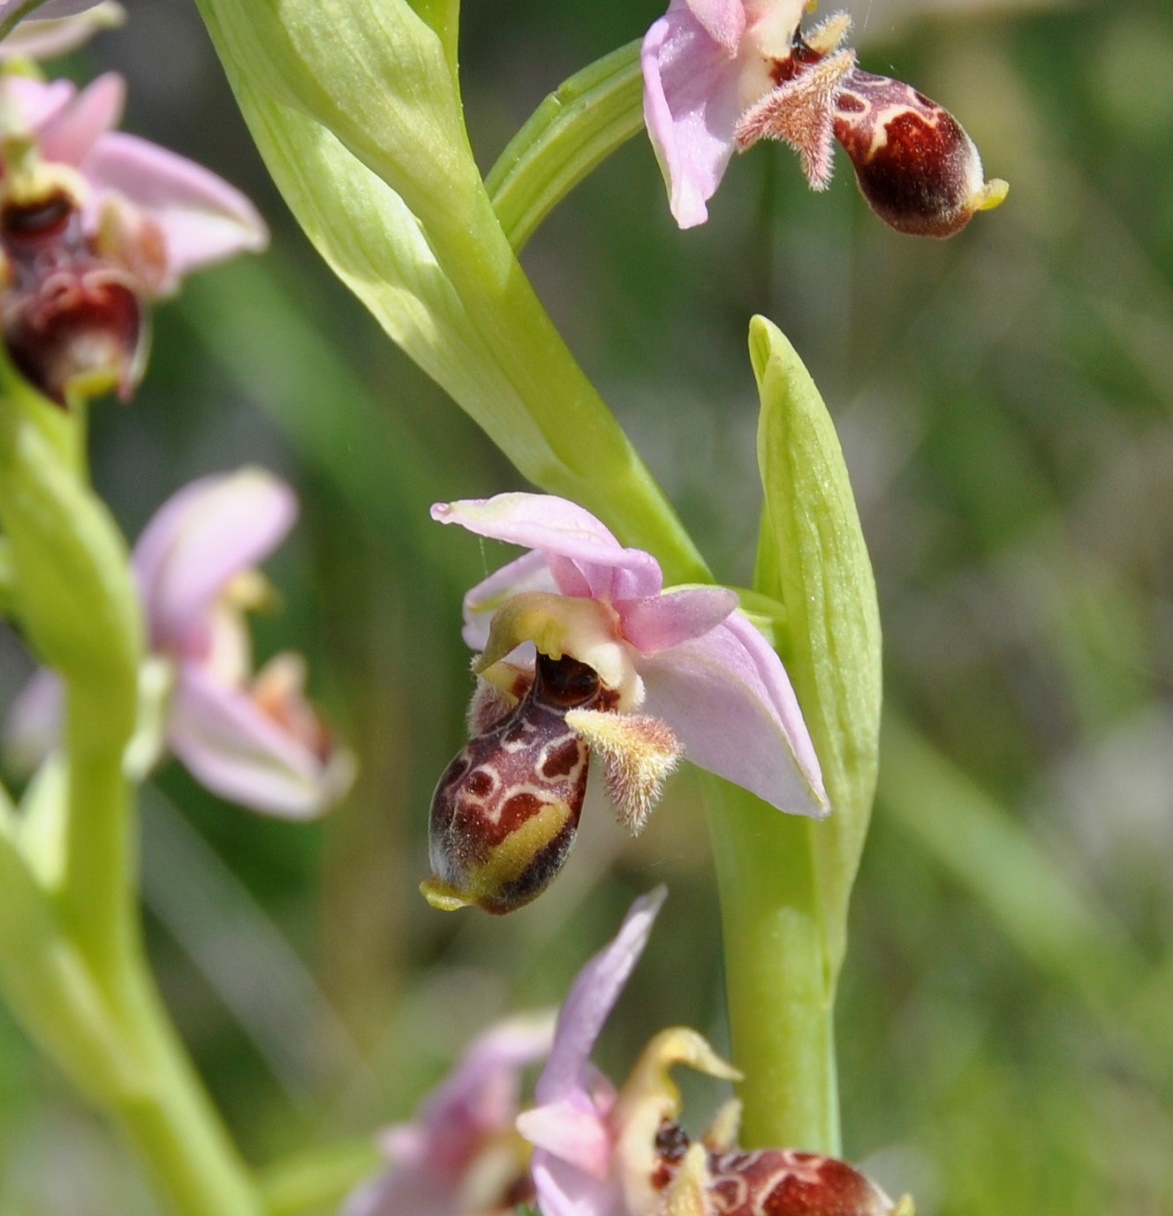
[251,737]
[94,223]
[720,75]
[607,1150]
[584,651]
[462,1155]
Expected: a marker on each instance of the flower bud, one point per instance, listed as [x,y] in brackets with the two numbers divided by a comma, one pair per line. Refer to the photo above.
[916,166]
[506,810]
[72,321]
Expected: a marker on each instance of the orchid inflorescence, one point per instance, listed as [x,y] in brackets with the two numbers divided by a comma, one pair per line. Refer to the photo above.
[589,652]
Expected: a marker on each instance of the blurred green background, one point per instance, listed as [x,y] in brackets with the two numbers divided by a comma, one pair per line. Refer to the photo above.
[1006,1021]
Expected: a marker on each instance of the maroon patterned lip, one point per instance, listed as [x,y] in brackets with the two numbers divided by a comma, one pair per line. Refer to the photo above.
[913,161]
[786,1182]
[67,314]
[527,763]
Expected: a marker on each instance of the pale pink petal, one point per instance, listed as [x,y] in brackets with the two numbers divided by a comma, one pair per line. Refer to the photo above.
[723,20]
[472,1110]
[56,30]
[577,1135]
[201,538]
[483,1089]
[658,622]
[584,557]
[203,218]
[591,999]
[32,725]
[692,101]
[51,8]
[564,1190]
[730,702]
[396,1194]
[237,751]
[529,572]
[33,104]
[73,133]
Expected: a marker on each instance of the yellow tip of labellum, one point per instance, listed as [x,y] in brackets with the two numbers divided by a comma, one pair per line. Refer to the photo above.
[441,895]
[994,195]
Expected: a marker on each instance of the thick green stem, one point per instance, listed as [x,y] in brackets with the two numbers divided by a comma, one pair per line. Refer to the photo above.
[608,477]
[107,1030]
[778,982]
[97,895]
[71,958]
[168,1114]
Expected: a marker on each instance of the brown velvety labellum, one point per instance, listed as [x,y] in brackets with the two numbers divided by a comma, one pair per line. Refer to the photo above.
[67,316]
[772,1182]
[505,811]
[784,1182]
[915,165]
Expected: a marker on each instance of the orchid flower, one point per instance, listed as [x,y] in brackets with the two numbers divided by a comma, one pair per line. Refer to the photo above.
[606,1151]
[252,738]
[462,1156]
[94,222]
[583,649]
[719,75]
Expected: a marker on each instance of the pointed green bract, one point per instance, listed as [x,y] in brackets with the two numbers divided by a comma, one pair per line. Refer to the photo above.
[812,556]
[71,589]
[785,882]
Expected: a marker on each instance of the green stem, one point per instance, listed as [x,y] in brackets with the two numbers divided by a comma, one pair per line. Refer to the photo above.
[17,15]
[358,117]
[7,579]
[71,956]
[109,1033]
[779,989]
[569,135]
[606,474]
[97,895]
[168,1114]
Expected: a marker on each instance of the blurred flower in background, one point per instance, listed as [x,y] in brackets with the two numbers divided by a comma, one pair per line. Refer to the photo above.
[462,1155]
[93,224]
[252,738]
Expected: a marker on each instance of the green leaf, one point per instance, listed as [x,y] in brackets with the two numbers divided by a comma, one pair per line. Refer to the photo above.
[398,209]
[569,135]
[812,556]
[377,75]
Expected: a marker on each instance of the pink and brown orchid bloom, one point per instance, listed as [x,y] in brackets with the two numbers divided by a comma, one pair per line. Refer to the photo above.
[584,651]
[720,75]
[602,1150]
[462,1155]
[250,737]
[93,224]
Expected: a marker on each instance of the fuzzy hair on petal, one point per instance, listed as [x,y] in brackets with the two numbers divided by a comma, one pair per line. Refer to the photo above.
[638,754]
